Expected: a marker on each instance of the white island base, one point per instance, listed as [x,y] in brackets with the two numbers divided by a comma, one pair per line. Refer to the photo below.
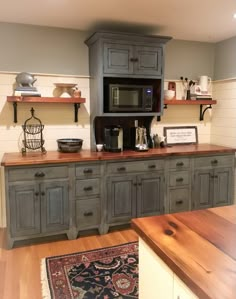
[156,279]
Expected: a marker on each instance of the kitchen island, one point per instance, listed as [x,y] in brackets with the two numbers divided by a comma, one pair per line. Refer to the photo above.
[188,255]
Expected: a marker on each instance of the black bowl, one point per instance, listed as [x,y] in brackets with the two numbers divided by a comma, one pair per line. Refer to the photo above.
[69,145]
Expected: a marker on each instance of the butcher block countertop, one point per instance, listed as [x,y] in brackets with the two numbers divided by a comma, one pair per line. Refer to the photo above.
[34,158]
[198,246]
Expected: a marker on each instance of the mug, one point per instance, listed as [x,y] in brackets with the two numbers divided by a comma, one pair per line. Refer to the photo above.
[99,147]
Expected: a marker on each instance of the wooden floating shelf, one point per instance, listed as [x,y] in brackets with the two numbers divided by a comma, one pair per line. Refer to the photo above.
[18,99]
[190,102]
[201,103]
[45,100]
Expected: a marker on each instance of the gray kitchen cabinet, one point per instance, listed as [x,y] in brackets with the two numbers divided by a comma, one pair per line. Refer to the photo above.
[134,189]
[178,185]
[129,59]
[213,181]
[37,202]
[88,196]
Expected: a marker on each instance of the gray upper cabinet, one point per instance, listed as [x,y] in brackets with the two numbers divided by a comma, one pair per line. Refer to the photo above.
[132,60]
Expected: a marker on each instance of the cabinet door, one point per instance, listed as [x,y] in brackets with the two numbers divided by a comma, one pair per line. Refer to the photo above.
[24,211]
[223,186]
[203,189]
[55,205]
[121,197]
[150,194]
[117,58]
[148,61]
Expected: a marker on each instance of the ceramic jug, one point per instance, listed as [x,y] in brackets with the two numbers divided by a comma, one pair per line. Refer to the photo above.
[204,82]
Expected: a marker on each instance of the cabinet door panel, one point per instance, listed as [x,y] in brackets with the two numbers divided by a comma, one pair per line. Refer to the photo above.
[55,206]
[148,60]
[121,198]
[117,59]
[150,196]
[223,186]
[203,189]
[24,210]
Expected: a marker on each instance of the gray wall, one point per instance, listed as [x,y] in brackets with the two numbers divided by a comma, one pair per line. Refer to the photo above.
[39,49]
[49,50]
[225,59]
[189,59]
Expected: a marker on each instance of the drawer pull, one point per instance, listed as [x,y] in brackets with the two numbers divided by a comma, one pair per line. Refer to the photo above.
[152,166]
[214,176]
[36,193]
[121,168]
[179,180]
[89,188]
[88,170]
[179,202]
[39,174]
[179,164]
[86,214]
[214,161]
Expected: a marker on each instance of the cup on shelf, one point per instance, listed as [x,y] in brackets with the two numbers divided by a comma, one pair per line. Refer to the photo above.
[99,147]
[169,94]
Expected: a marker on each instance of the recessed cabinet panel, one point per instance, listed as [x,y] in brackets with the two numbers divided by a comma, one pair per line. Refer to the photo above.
[203,187]
[223,186]
[24,210]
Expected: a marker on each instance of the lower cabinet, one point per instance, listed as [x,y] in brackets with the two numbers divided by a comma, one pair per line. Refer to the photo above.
[38,205]
[213,181]
[134,195]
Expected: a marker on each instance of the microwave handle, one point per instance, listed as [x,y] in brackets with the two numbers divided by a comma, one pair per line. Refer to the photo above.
[115,95]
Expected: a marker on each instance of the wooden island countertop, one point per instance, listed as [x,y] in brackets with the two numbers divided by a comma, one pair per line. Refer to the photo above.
[33,158]
[198,246]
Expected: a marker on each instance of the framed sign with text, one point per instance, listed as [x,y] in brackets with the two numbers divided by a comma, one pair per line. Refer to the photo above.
[181,135]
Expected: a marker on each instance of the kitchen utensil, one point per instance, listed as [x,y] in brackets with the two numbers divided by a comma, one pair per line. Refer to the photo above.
[69,145]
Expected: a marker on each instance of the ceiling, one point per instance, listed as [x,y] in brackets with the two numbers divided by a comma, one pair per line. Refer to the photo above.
[202,20]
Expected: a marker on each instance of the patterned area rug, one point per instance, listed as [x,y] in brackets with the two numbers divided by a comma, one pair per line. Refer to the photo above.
[106,273]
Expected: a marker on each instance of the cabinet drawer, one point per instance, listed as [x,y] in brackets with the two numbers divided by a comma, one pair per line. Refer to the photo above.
[88,213]
[87,187]
[179,163]
[214,161]
[135,166]
[26,173]
[87,170]
[178,178]
[179,200]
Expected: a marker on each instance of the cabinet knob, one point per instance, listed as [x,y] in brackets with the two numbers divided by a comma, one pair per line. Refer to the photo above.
[39,174]
[121,168]
[215,161]
[42,193]
[36,193]
[179,202]
[179,164]
[89,188]
[88,170]
[86,214]
[179,180]
[152,166]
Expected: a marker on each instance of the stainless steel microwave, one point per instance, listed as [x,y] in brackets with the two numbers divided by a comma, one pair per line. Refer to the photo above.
[130,98]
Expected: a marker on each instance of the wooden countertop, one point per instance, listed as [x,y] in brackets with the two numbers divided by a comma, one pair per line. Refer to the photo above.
[199,246]
[15,159]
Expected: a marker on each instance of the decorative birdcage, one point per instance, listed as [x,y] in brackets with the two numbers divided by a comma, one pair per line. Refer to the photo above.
[33,134]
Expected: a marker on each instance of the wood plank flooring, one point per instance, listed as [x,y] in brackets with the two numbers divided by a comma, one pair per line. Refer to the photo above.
[20,267]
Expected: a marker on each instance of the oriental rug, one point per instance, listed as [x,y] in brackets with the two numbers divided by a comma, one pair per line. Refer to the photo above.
[106,273]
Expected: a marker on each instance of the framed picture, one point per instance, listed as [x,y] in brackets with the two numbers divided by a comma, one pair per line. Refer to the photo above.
[181,135]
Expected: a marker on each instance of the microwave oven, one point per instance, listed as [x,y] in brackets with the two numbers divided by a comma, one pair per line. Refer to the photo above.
[130,95]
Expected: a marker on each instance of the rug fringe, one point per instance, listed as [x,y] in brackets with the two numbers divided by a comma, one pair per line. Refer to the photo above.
[44,281]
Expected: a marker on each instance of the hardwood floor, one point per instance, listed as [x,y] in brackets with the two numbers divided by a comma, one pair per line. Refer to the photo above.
[20,267]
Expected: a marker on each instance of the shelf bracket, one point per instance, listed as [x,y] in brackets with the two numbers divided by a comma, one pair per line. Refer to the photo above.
[15,112]
[159,117]
[202,112]
[76,109]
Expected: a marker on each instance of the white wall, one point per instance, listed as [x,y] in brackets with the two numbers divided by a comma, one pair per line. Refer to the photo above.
[57,118]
